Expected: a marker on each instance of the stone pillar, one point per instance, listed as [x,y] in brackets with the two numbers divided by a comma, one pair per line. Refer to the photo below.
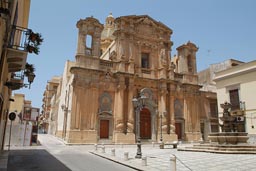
[131,114]
[96,45]
[119,125]
[172,115]
[81,44]
[186,117]
[162,111]
[118,112]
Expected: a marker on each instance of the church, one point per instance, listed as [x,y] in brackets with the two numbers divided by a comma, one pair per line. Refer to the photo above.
[124,83]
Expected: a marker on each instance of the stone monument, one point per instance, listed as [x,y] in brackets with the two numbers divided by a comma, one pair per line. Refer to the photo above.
[229,134]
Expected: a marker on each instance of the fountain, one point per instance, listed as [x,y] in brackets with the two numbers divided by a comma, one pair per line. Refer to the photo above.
[229,134]
[230,141]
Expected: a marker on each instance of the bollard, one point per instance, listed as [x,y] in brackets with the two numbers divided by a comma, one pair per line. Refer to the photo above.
[96,147]
[161,145]
[144,161]
[113,152]
[103,149]
[126,154]
[173,162]
[153,144]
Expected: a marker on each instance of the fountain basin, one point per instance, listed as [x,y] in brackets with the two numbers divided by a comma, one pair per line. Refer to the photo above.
[229,137]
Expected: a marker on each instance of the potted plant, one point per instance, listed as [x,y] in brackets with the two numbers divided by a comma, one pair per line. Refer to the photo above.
[32,49]
[34,41]
[29,68]
[35,38]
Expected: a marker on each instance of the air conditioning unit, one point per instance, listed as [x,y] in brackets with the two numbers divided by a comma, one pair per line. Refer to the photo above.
[239,118]
[237,112]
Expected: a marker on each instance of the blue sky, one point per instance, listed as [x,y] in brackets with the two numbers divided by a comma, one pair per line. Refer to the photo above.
[222,29]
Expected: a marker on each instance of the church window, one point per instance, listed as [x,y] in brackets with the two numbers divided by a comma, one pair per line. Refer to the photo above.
[145,60]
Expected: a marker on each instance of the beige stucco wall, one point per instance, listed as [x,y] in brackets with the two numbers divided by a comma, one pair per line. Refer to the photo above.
[242,78]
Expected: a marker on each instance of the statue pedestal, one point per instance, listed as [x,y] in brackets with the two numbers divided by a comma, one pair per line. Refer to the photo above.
[128,138]
[168,137]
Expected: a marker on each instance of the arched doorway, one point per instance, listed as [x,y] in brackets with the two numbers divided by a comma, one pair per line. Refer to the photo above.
[145,124]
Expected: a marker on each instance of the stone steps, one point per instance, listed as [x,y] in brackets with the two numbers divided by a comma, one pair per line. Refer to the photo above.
[225,149]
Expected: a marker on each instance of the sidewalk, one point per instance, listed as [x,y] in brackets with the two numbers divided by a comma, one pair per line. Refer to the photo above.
[159,159]
[3,160]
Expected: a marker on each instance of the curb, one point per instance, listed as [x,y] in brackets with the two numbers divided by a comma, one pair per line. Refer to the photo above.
[116,161]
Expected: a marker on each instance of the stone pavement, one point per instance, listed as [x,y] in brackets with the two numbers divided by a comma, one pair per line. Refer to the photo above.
[159,159]
[3,160]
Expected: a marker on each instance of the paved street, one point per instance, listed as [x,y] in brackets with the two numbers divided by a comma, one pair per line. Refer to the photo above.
[54,155]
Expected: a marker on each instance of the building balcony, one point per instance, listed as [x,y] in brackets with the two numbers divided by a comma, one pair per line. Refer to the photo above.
[16,81]
[17,48]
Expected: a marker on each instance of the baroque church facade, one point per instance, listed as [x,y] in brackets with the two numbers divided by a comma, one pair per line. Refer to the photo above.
[127,57]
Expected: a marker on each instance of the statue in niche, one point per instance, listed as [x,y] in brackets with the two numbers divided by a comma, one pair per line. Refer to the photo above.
[162,57]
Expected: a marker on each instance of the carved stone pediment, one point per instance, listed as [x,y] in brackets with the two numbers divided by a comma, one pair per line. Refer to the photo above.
[146,21]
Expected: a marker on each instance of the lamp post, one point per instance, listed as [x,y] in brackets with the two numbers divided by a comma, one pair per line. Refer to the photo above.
[138,104]
[31,78]
[161,131]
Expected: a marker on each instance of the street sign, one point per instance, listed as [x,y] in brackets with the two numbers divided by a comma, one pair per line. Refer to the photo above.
[12,116]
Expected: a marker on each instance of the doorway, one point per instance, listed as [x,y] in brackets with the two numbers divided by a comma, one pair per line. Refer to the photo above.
[145,124]
[104,129]
[178,130]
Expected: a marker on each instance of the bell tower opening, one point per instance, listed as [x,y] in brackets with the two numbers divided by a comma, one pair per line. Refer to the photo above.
[88,43]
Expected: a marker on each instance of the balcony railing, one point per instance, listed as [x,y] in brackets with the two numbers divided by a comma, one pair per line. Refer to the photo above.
[16,81]
[105,63]
[19,38]
[17,48]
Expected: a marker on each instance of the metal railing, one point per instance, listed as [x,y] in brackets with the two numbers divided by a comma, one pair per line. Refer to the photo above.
[19,38]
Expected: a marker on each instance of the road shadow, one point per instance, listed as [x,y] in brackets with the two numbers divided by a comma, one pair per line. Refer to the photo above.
[34,160]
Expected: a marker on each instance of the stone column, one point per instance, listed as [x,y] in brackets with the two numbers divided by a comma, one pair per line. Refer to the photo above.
[131,114]
[119,135]
[186,117]
[118,109]
[172,117]
[81,44]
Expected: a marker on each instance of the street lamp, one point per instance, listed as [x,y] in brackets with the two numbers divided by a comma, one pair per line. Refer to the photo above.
[138,104]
